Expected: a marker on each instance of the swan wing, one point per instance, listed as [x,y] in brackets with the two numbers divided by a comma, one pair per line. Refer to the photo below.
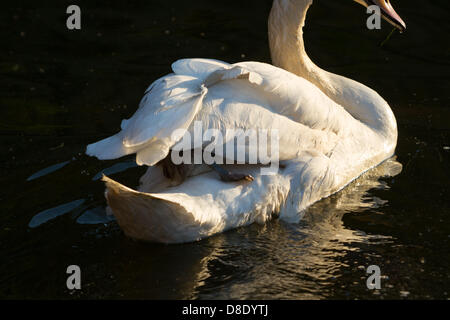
[275,89]
[252,95]
[168,105]
[300,100]
[198,68]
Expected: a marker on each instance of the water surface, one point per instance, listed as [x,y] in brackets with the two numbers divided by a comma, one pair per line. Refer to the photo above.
[61,90]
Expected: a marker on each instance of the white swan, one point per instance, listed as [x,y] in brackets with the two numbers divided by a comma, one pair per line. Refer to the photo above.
[331,129]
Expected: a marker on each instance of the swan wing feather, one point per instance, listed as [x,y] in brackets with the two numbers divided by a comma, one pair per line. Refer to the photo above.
[169,104]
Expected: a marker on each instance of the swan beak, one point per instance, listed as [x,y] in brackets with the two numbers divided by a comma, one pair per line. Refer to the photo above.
[387,11]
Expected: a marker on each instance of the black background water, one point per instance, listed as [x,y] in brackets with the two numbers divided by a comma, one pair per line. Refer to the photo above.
[60,90]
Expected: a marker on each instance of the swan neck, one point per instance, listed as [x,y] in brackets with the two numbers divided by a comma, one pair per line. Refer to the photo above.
[286,21]
[287,48]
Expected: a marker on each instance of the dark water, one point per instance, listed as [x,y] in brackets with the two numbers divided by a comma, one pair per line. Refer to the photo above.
[61,90]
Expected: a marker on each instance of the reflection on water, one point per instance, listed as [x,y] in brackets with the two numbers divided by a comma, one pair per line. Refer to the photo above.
[298,261]
[61,91]
[96,215]
[53,213]
[47,170]
[118,167]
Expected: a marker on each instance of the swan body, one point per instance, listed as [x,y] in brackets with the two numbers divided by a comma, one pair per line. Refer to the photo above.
[331,130]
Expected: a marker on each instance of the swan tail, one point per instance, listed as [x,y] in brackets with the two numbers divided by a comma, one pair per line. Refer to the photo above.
[148,217]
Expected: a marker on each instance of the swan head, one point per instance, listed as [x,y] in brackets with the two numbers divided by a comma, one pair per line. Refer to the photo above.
[387,11]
